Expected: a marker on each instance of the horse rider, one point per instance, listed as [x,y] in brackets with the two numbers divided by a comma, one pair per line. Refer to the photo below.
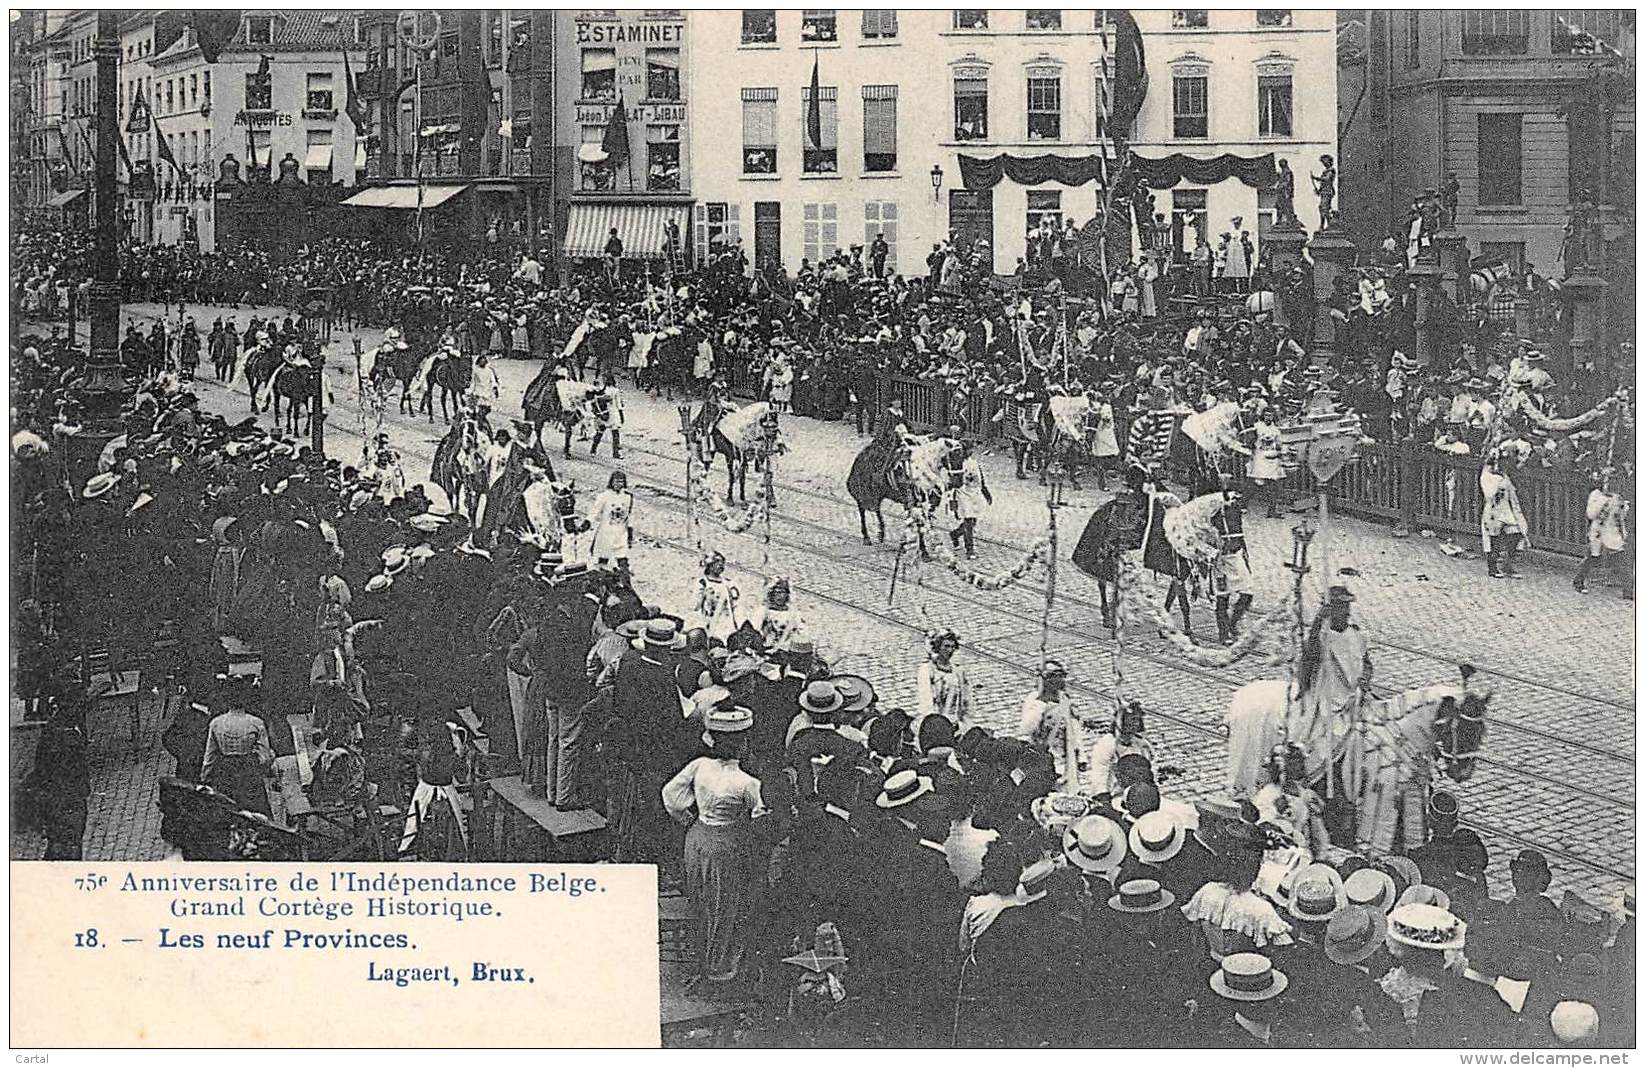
[1333,674]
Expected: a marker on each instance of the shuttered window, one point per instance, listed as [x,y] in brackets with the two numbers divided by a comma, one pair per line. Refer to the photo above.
[824,159]
[879,128]
[760,131]
[821,230]
[879,25]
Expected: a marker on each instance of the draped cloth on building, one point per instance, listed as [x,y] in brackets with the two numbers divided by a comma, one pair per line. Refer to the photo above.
[1258,172]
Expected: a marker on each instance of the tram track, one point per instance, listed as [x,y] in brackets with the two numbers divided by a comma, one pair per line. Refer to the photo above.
[674,494]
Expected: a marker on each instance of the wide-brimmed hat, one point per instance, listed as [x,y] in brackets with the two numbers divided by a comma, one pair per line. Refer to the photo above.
[1156,837]
[1316,894]
[378,583]
[858,692]
[821,698]
[1141,896]
[728,720]
[98,485]
[660,634]
[1355,933]
[1036,874]
[1248,977]
[1094,844]
[1404,872]
[426,523]
[708,698]
[1372,888]
[902,788]
[1426,927]
[395,560]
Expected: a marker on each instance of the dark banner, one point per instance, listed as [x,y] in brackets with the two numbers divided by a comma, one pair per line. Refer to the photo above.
[1255,171]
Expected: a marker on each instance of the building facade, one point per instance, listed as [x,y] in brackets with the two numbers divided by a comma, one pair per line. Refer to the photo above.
[1486,96]
[472,117]
[637,60]
[905,96]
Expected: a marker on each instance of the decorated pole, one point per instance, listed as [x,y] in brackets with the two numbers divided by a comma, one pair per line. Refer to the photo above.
[1323,439]
[1301,535]
[690,476]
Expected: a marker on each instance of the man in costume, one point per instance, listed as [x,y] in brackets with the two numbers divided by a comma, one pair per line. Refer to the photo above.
[1335,670]
[1504,533]
[1231,572]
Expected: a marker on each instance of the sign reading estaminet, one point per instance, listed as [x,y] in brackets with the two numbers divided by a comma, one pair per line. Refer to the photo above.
[192,955]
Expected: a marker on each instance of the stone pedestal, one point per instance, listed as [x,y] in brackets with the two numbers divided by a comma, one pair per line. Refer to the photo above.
[1453,263]
[1283,247]
[1427,277]
[1583,293]
[1523,324]
[1333,255]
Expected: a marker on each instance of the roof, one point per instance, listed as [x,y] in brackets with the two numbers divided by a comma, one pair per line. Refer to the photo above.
[299,29]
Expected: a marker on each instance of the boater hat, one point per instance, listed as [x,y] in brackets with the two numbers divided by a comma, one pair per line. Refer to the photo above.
[821,698]
[1372,888]
[1355,933]
[1248,977]
[1156,837]
[1141,896]
[1094,844]
[902,788]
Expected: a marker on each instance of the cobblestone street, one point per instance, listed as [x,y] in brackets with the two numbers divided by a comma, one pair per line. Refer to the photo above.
[1559,772]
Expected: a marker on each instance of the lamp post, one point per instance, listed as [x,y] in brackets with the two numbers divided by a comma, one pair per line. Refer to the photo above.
[104,387]
[936,182]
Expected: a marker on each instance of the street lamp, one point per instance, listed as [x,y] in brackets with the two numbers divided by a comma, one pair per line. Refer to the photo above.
[936,181]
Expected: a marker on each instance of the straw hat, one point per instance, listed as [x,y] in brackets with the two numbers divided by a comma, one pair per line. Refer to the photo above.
[902,788]
[821,698]
[1094,844]
[1426,927]
[1355,933]
[1373,888]
[100,484]
[728,720]
[1156,837]
[1139,896]
[1316,894]
[1248,977]
[1425,895]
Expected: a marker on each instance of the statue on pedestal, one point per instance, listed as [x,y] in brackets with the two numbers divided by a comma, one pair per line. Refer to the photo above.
[1583,237]
[1285,192]
[1448,195]
[1325,185]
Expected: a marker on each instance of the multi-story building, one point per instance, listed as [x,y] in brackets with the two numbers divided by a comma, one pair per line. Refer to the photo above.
[471,119]
[903,96]
[275,100]
[636,60]
[1500,98]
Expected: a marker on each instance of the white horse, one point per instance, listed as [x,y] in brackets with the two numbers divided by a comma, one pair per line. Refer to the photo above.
[1381,759]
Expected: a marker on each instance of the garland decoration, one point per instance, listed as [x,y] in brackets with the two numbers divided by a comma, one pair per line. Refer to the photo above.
[1139,610]
[1576,422]
[736,524]
[917,524]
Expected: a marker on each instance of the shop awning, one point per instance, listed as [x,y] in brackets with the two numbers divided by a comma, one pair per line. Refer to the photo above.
[318,158]
[642,228]
[402,197]
[66,197]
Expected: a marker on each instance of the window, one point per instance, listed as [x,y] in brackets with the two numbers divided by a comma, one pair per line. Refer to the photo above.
[759,131]
[170,107]
[662,155]
[970,109]
[1194,19]
[1495,32]
[759,27]
[1189,222]
[260,29]
[879,128]
[1274,105]
[970,20]
[879,25]
[493,38]
[599,74]
[819,26]
[1274,20]
[1499,158]
[317,159]
[662,74]
[719,228]
[1044,209]
[319,96]
[194,90]
[1413,40]
[601,175]
[519,41]
[205,82]
[1043,20]
[259,93]
[880,217]
[823,158]
[1044,109]
[1586,33]
[1190,115]
[520,141]
[821,231]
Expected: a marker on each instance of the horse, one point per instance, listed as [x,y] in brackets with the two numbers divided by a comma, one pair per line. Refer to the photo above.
[1381,757]
[1063,434]
[453,373]
[261,365]
[300,385]
[460,467]
[914,476]
[741,437]
[1020,425]
[1115,528]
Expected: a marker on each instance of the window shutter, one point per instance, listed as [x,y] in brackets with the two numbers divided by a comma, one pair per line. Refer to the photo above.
[700,232]
[733,225]
[759,118]
[879,115]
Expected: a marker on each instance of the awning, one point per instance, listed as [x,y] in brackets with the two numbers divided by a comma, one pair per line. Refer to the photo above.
[318,158]
[403,197]
[642,228]
[442,128]
[67,196]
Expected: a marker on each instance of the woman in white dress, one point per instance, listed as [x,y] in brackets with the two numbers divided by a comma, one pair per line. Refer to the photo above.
[1105,446]
[612,520]
[1266,470]
[971,496]
[781,379]
[1147,275]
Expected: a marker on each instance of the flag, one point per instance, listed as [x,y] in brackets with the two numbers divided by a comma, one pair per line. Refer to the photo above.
[85,139]
[125,157]
[352,104]
[813,107]
[63,145]
[162,148]
[141,115]
[262,68]
[213,30]
[1130,76]
[251,151]
[615,142]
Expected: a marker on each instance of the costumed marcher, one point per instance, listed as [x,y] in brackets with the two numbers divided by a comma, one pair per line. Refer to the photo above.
[775,618]
[1050,722]
[941,686]
[1504,533]
[606,406]
[716,609]
[1607,533]
[969,494]
[611,518]
[1334,672]
[1231,571]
